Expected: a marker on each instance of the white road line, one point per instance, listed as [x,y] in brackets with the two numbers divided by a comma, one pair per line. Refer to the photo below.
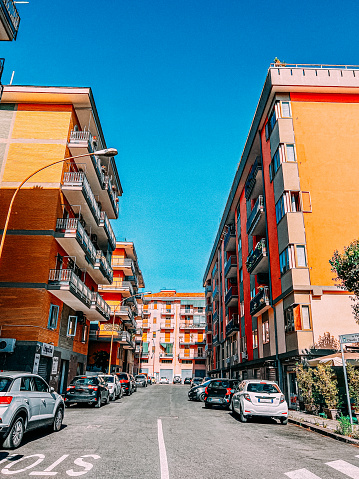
[301,474]
[162,448]
[345,467]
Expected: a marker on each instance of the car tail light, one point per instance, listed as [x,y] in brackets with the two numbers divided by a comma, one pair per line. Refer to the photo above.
[5,399]
[282,398]
[95,388]
[70,387]
[206,391]
[247,397]
[229,390]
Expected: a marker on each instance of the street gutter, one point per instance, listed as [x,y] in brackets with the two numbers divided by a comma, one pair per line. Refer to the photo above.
[324,431]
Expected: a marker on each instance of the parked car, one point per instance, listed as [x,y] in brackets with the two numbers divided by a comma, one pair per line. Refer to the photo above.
[164,380]
[196,381]
[187,381]
[220,391]
[126,383]
[134,384]
[177,379]
[114,386]
[87,389]
[141,380]
[259,398]
[26,403]
[197,393]
[153,380]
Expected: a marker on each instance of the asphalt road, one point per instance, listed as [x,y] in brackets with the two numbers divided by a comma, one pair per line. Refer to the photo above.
[158,434]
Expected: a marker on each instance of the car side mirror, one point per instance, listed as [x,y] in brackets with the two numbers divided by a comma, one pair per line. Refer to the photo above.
[51,390]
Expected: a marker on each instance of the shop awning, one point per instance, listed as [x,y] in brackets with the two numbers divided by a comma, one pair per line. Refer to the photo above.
[335,359]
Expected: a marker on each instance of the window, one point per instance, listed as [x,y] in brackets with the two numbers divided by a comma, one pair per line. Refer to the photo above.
[289,202]
[286,113]
[154,334]
[40,385]
[25,384]
[241,275]
[187,308]
[306,317]
[290,156]
[279,209]
[71,326]
[84,333]
[241,307]
[200,309]
[284,153]
[294,256]
[53,316]
[301,257]
[253,292]
[297,318]
[265,332]
[255,338]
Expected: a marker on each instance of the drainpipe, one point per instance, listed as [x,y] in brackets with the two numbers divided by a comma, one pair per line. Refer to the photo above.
[279,365]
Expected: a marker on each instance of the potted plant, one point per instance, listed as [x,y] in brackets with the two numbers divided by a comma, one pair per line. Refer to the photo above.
[326,387]
[305,380]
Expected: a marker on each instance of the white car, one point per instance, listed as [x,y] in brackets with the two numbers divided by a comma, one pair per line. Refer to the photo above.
[114,386]
[256,397]
[164,380]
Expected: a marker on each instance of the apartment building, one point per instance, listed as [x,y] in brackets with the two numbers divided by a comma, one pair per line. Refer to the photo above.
[123,297]
[59,245]
[173,335]
[271,300]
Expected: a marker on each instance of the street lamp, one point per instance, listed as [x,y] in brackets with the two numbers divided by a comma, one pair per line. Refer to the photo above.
[106,152]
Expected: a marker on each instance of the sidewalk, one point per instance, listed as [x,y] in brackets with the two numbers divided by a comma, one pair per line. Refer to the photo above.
[318,424]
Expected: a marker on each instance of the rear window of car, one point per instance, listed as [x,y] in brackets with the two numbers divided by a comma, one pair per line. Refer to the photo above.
[140,377]
[122,376]
[109,379]
[223,384]
[262,388]
[5,384]
[85,381]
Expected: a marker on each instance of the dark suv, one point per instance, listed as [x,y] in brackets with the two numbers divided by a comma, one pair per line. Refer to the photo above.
[127,384]
[87,389]
[220,391]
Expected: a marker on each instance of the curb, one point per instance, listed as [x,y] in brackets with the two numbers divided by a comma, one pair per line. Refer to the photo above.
[324,431]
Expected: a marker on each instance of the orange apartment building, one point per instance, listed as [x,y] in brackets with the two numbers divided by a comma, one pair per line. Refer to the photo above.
[60,240]
[173,335]
[271,300]
[124,298]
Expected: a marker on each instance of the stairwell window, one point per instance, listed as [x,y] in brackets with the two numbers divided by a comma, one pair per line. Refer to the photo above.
[53,316]
[71,326]
[84,333]
[265,332]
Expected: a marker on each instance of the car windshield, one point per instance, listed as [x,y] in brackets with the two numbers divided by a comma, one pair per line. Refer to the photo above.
[122,376]
[4,384]
[262,388]
[84,381]
[223,384]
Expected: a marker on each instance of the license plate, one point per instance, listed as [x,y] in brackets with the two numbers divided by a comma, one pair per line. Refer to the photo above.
[265,400]
[214,400]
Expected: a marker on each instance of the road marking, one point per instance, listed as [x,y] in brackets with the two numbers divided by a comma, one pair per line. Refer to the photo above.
[162,449]
[6,469]
[47,471]
[345,467]
[301,474]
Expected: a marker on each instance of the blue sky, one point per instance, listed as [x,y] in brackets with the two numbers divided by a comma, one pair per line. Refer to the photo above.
[176,83]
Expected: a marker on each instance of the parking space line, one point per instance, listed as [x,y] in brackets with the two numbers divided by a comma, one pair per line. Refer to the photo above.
[162,449]
[301,474]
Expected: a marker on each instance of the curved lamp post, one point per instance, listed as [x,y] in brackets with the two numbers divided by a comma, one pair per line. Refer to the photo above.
[106,152]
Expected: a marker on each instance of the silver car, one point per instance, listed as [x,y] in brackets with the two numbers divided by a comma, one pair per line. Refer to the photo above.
[26,403]
[114,386]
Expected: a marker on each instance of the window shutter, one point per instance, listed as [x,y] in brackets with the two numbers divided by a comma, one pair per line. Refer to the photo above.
[297,318]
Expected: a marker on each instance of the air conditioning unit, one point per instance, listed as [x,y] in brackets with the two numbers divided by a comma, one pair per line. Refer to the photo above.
[244,355]
[7,345]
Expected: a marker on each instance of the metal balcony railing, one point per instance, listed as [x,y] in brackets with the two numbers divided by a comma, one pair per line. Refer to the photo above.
[251,179]
[260,300]
[80,136]
[118,286]
[258,208]
[233,325]
[105,222]
[108,328]
[104,265]
[208,289]
[230,263]
[100,304]
[231,294]
[256,255]
[76,178]
[215,292]
[184,355]
[231,233]
[11,14]
[73,224]
[112,194]
[167,325]
[67,277]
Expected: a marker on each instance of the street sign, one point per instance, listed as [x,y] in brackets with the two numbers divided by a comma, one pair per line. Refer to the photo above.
[349,338]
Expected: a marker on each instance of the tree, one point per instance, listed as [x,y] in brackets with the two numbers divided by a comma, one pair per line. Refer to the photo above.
[326,386]
[101,359]
[346,267]
[305,381]
[353,383]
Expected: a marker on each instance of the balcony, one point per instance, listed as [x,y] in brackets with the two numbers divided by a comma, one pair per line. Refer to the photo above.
[145,325]
[103,265]
[9,20]
[125,313]
[186,312]
[105,332]
[256,221]
[183,355]
[260,303]
[167,312]
[80,143]
[208,328]
[257,260]
[208,290]
[254,184]
[76,188]
[215,316]
[230,239]
[125,339]
[107,229]
[124,264]
[191,325]
[118,286]
[230,268]
[99,304]
[231,298]
[166,355]
[71,235]
[208,309]
[215,293]
[167,325]
[215,339]
[199,355]
[233,326]
[187,342]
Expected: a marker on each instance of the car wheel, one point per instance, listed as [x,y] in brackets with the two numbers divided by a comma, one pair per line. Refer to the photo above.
[201,397]
[242,417]
[284,420]
[234,412]
[98,402]
[58,418]
[107,399]
[113,396]
[14,438]
[129,392]
[208,406]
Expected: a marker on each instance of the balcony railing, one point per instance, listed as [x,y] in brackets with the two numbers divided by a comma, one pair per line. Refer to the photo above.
[166,325]
[215,316]
[169,312]
[184,355]
[230,239]
[117,286]
[231,266]
[184,311]
[215,339]
[105,223]
[260,302]
[112,194]
[125,339]
[12,17]
[166,355]
[68,278]
[233,326]
[232,295]
[255,215]
[103,265]
[208,328]
[189,341]
[215,293]
[208,308]
[69,225]
[100,305]
[254,262]
[208,289]
[191,325]
[78,179]
[252,177]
